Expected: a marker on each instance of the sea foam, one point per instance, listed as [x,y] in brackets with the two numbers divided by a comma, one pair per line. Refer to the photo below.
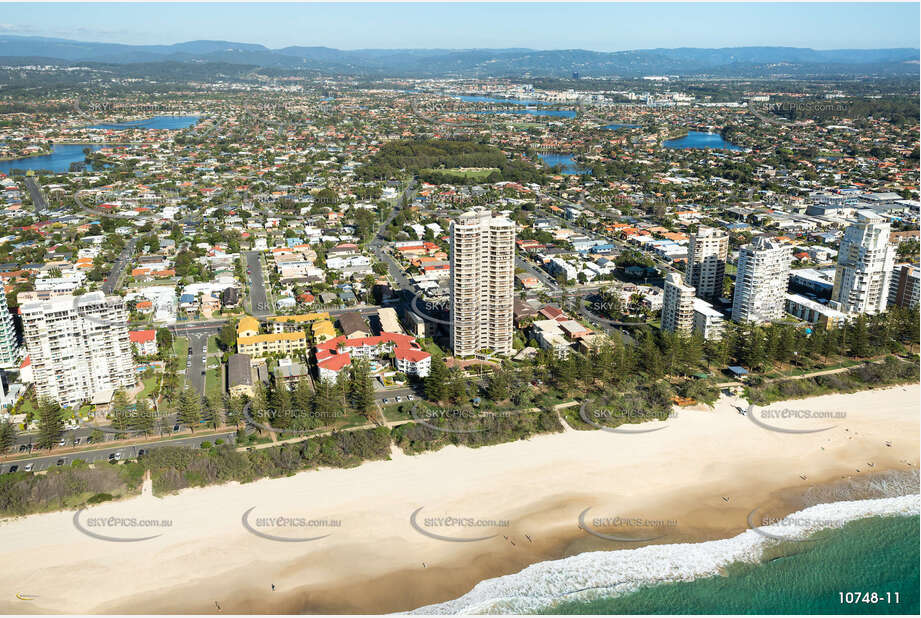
[598,574]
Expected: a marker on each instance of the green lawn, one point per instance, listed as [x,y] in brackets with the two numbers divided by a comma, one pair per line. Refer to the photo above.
[150,387]
[213,382]
[181,347]
[476,174]
[397,411]
[28,405]
[212,345]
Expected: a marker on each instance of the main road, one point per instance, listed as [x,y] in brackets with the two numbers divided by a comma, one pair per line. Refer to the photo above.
[38,198]
[119,266]
[258,299]
[123,451]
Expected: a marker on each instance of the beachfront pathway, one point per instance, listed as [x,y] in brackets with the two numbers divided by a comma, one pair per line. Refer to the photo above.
[821,372]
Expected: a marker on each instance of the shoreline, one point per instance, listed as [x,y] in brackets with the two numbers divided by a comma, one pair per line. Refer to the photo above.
[25,157]
[707,471]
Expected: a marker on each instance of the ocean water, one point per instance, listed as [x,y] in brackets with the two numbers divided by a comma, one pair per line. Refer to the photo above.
[877,554]
[868,545]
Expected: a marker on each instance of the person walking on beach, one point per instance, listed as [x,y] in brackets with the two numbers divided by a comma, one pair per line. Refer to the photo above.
[273,587]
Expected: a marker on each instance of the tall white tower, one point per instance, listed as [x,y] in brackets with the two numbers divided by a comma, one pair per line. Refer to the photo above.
[10,352]
[761,281]
[677,306]
[482,282]
[865,263]
[79,346]
[707,252]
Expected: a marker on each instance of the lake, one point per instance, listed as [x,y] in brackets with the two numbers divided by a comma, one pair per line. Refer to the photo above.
[615,127]
[570,167]
[557,113]
[701,140]
[170,123]
[62,155]
[476,99]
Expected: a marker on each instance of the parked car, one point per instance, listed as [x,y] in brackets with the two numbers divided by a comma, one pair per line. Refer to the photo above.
[13,469]
[28,467]
[60,462]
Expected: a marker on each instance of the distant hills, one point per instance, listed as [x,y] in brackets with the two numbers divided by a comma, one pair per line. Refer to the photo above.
[724,62]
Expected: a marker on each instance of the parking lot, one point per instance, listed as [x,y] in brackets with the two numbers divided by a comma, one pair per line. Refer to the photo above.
[111,452]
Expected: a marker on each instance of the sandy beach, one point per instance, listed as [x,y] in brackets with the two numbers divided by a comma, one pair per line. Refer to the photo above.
[702,475]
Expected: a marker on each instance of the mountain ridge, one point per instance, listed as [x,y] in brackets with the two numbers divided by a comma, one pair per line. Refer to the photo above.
[477,62]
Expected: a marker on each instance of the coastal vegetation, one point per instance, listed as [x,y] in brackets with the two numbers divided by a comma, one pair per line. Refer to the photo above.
[480,428]
[889,372]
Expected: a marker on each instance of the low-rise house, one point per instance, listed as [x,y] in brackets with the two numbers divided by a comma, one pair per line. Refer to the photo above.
[143,341]
[353,325]
[240,375]
[289,373]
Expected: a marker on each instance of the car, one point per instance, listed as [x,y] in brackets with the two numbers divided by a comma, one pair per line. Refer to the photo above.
[203,372]
[111,457]
[22,447]
[76,441]
[384,401]
[89,439]
[13,469]
[62,442]
[250,449]
[28,467]
[60,462]
[398,399]
[176,427]
[410,397]
[141,453]
[118,456]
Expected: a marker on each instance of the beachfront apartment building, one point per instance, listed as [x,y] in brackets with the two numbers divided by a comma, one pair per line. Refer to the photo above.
[260,346]
[482,283]
[10,350]
[677,306]
[79,346]
[708,249]
[865,262]
[294,323]
[905,286]
[708,322]
[255,345]
[336,355]
[761,281]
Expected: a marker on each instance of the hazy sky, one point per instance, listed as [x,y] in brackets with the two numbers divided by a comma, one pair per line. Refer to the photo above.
[602,27]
